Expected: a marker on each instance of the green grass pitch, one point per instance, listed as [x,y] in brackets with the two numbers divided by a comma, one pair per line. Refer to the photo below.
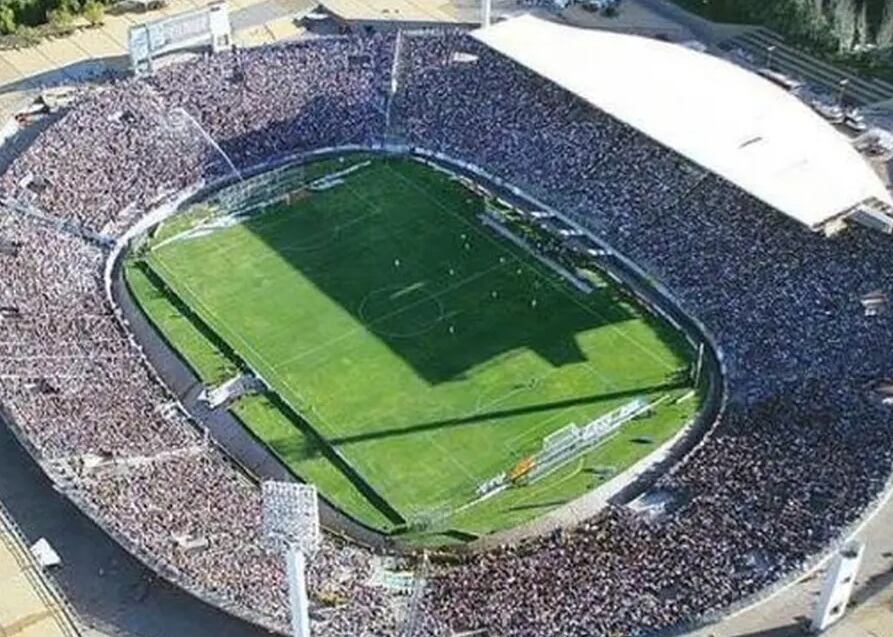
[424,353]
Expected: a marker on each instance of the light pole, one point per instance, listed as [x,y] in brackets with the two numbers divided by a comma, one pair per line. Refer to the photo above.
[769,51]
[486,7]
[843,84]
[840,579]
[291,526]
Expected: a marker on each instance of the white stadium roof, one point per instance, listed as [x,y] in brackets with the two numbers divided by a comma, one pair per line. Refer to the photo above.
[719,115]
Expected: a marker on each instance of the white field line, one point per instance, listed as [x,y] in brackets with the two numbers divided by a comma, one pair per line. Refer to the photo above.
[512,443]
[214,222]
[201,223]
[364,325]
[318,418]
[220,324]
[595,371]
[337,174]
[327,344]
[535,266]
[614,432]
[361,325]
[539,426]
[315,417]
[583,286]
[538,487]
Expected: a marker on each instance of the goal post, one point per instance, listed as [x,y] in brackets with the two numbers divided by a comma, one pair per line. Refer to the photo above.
[565,436]
[569,442]
[263,190]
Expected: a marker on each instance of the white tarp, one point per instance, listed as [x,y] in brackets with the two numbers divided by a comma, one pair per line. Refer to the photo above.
[45,554]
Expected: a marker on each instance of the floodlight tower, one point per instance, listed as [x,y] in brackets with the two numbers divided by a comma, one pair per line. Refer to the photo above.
[840,580]
[486,7]
[291,526]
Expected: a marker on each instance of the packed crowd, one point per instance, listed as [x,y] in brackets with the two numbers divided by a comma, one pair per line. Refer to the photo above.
[132,142]
[260,104]
[86,400]
[800,451]
[111,157]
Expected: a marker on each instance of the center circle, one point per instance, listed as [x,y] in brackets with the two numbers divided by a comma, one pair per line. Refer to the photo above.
[401,311]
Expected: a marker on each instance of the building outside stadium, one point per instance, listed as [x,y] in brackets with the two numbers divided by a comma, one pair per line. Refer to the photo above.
[420,337]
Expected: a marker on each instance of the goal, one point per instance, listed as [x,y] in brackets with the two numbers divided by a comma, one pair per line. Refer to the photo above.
[568,443]
[264,190]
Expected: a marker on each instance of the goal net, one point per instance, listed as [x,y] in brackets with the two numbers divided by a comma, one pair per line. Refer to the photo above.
[279,185]
[570,442]
[563,446]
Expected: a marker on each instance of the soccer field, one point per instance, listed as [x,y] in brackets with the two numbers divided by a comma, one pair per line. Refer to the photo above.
[424,352]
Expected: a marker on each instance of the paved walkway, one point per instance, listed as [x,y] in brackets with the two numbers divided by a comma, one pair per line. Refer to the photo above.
[91,50]
[874,618]
[29,605]
[656,18]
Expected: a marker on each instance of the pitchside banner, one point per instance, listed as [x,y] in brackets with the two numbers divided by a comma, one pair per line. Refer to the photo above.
[603,425]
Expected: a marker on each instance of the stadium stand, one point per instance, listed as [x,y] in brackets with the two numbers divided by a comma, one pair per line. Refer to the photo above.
[799,453]
[759,138]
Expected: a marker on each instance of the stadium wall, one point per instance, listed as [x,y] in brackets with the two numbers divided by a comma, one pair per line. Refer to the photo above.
[253,458]
[633,277]
[152,563]
[654,295]
[164,208]
[99,575]
[251,455]
[656,299]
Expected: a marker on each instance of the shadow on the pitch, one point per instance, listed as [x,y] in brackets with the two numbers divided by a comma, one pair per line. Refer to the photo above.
[539,505]
[315,444]
[399,274]
[503,413]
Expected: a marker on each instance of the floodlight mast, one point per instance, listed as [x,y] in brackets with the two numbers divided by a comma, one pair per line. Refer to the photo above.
[297,592]
[291,526]
[486,9]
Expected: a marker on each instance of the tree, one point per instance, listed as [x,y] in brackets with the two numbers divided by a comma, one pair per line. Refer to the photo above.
[7,19]
[26,36]
[28,12]
[94,12]
[61,20]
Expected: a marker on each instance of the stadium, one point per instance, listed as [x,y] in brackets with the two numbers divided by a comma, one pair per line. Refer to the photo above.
[565,351]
